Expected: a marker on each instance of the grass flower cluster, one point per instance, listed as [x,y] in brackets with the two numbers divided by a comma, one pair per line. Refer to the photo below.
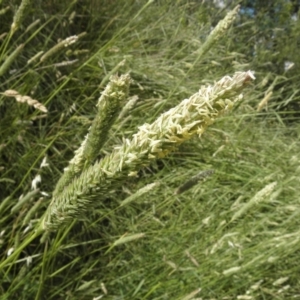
[152,141]
[25,99]
[109,105]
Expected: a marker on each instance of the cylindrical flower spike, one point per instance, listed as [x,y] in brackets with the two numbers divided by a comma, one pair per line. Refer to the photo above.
[19,15]
[218,32]
[10,59]
[25,99]
[109,105]
[152,141]
[61,45]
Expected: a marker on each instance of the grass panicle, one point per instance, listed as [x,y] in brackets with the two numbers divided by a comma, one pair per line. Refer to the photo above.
[62,45]
[24,200]
[108,108]
[32,25]
[10,59]
[264,102]
[25,99]
[128,107]
[4,203]
[35,57]
[193,181]
[19,15]
[218,32]
[128,238]
[192,294]
[258,197]
[32,211]
[139,193]
[152,141]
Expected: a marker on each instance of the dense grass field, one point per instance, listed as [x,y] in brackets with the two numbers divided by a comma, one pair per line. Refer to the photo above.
[149,150]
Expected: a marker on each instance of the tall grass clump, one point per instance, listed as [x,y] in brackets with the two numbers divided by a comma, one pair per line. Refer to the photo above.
[139,157]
